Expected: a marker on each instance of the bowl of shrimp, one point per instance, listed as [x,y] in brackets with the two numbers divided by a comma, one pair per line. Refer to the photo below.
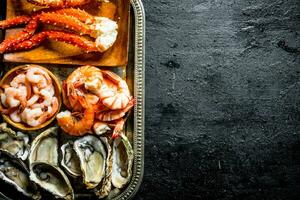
[30,97]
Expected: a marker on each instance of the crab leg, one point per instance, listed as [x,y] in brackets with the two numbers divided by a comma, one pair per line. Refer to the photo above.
[61,36]
[16,21]
[65,21]
[73,39]
[94,26]
[25,34]
[31,43]
[77,13]
[24,19]
[59,3]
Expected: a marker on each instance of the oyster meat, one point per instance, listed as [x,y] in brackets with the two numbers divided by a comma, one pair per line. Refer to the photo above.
[70,161]
[104,188]
[15,143]
[14,172]
[44,169]
[122,159]
[52,179]
[92,157]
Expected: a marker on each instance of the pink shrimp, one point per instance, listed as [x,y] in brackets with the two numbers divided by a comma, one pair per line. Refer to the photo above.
[15,96]
[102,127]
[38,76]
[114,93]
[74,125]
[33,117]
[111,115]
[77,85]
[15,116]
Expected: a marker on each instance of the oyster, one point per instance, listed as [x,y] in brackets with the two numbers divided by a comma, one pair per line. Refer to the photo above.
[92,156]
[14,172]
[15,143]
[52,179]
[70,161]
[122,161]
[44,148]
[103,189]
[43,162]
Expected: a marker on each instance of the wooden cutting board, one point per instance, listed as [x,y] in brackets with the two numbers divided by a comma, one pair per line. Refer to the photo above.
[62,53]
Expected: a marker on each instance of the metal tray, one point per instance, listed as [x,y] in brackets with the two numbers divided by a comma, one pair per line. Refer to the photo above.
[137,48]
[134,72]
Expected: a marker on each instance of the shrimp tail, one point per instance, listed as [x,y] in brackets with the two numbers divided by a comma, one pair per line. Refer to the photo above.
[118,129]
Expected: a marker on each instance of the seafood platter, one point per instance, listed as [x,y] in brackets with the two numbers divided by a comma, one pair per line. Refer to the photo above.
[71,99]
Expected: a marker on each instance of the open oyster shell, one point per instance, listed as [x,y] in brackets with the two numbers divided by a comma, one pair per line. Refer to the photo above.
[15,143]
[122,159]
[52,179]
[14,172]
[104,188]
[70,161]
[44,147]
[92,156]
[44,170]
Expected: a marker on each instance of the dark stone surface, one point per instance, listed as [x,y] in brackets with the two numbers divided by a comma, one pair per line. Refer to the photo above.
[222,100]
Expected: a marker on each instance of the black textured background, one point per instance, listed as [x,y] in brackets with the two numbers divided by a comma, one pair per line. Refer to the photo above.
[222,99]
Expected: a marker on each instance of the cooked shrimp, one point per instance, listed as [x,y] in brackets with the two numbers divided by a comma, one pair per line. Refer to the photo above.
[12,97]
[37,121]
[38,76]
[111,115]
[22,95]
[53,107]
[119,126]
[42,83]
[50,89]
[33,117]
[92,99]
[18,80]
[31,113]
[47,97]
[36,116]
[4,100]
[33,100]
[114,93]
[99,107]
[89,76]
[79,87]
[102,127]
[36,89]
[70,123]
[15,116]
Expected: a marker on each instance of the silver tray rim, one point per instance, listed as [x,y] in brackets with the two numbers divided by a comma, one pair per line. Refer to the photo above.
[139,109]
